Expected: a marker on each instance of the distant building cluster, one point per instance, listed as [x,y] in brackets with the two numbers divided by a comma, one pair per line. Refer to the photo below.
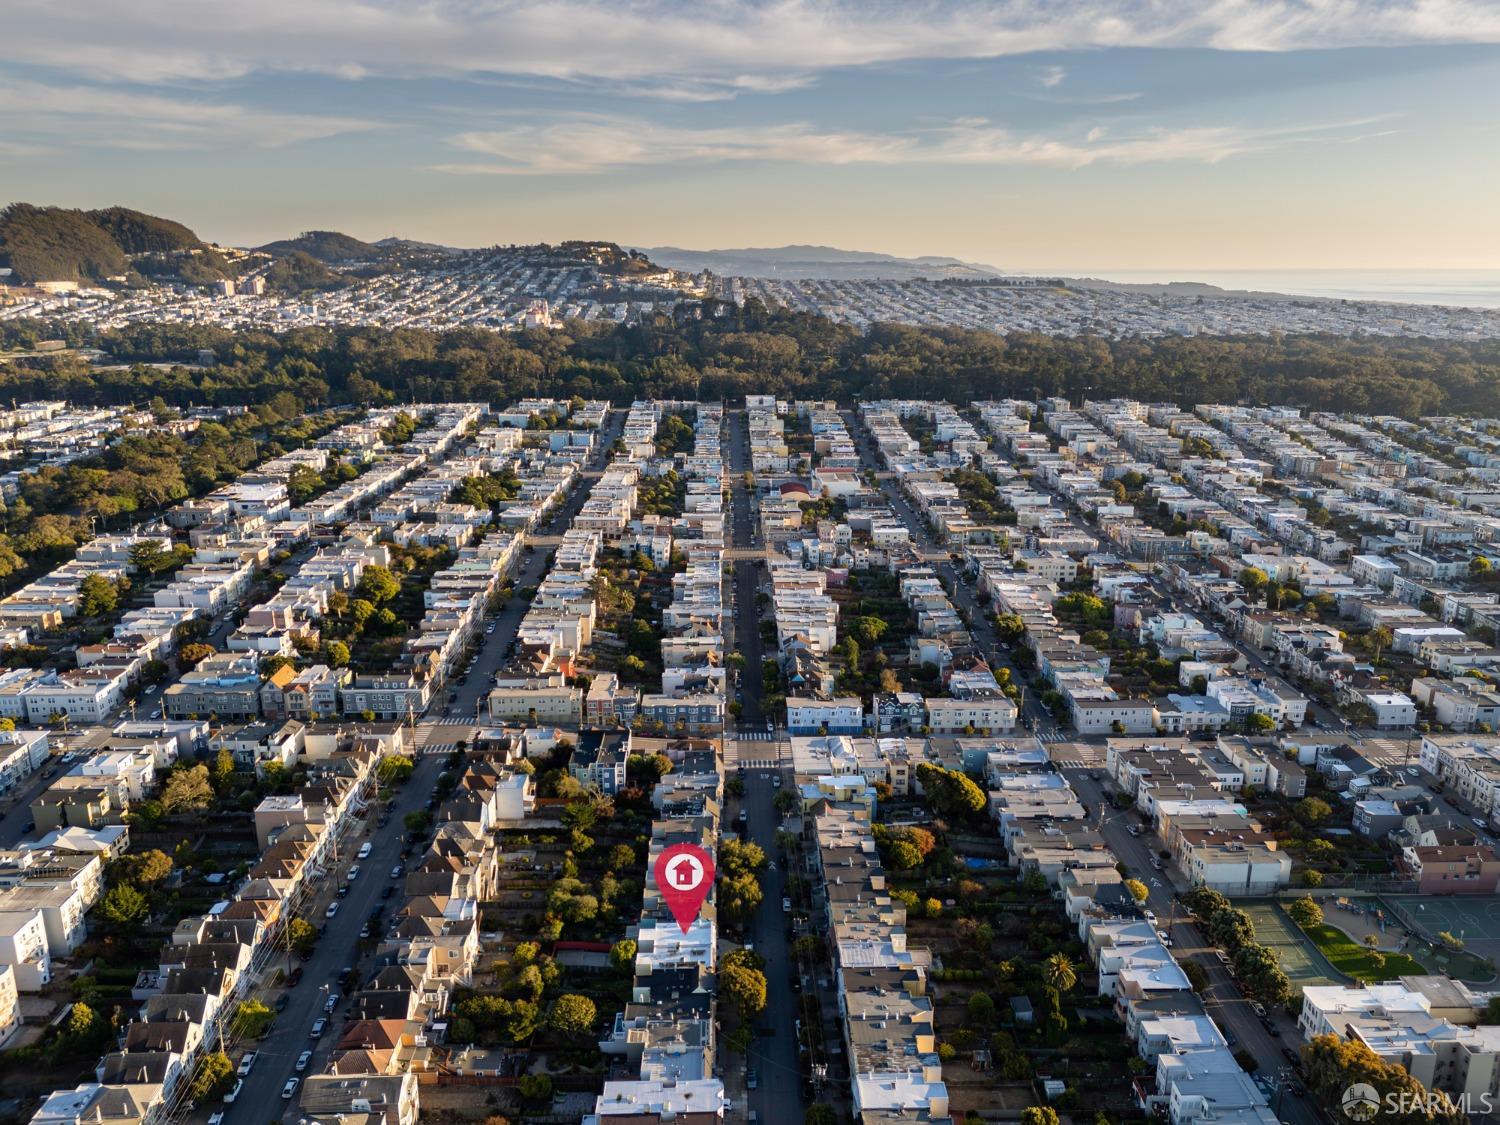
[1056,309]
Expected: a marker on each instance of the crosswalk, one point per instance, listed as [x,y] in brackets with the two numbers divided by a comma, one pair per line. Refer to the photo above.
[453,721]
[756,736]
[759,763]
[435,748]
[1052,736]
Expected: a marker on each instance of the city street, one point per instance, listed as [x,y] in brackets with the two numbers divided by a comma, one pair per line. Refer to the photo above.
[473,689]
[260,1099]
[778,1098]
[745,632]
[1228,1006]
[1033,716]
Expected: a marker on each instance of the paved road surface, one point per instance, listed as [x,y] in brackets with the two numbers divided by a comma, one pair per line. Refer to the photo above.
[747,578]
[474,688]
[778,1098]
[260,1100]
[1223,1000]
[977,615]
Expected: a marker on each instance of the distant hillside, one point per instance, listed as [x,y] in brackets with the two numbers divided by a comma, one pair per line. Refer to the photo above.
[57,244]
[815,262]
[299,272]
[136,232]
[396,243]
[326,246]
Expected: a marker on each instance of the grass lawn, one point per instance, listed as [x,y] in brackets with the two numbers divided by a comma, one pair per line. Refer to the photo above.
[1352,959]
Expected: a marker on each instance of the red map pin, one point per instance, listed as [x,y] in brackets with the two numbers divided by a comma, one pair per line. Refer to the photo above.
[684,874]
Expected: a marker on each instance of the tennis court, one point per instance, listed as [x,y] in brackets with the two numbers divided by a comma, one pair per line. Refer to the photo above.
[1300,959]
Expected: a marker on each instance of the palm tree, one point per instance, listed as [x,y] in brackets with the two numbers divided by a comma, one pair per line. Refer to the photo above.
[1059,973]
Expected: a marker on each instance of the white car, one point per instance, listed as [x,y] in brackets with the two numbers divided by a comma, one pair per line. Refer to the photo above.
[396,872]
[1479,822]
[364,850]
[302,1060]
[353,873]
[246,1063]
[1150,917]
[1164,937]
[234,1091]
[289,1091]
[333,908]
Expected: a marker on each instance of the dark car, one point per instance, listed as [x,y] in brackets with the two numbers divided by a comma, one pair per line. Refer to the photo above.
[1291,1056]
[294,978]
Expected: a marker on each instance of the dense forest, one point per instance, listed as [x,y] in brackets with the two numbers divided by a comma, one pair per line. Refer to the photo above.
[135,232]
[326,246]
[56,244]
[729,351]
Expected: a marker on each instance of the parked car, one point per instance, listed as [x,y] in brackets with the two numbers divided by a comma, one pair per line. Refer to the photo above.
[364,850]
[289,1091]
[302,1060]
[387,890]
[1258,1008]
[319,1026]
[281,1000]
[246,1063]
[353,873]
[752,1079]
[234,1091]
[333,908]
[1164,937]
[397,871]
[332,1002]
[216,1118]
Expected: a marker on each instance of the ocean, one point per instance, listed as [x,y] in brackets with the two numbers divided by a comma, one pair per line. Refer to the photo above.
[1467,288]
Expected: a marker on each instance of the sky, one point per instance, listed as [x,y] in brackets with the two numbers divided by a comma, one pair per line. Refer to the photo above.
[1078,136]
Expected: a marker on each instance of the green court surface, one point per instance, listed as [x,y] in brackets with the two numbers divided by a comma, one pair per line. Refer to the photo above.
[1300,959]
[1474,919]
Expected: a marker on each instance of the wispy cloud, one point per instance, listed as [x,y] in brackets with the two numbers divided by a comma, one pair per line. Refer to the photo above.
[115,118]
[669,46]
[1052,76]
[592,144]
